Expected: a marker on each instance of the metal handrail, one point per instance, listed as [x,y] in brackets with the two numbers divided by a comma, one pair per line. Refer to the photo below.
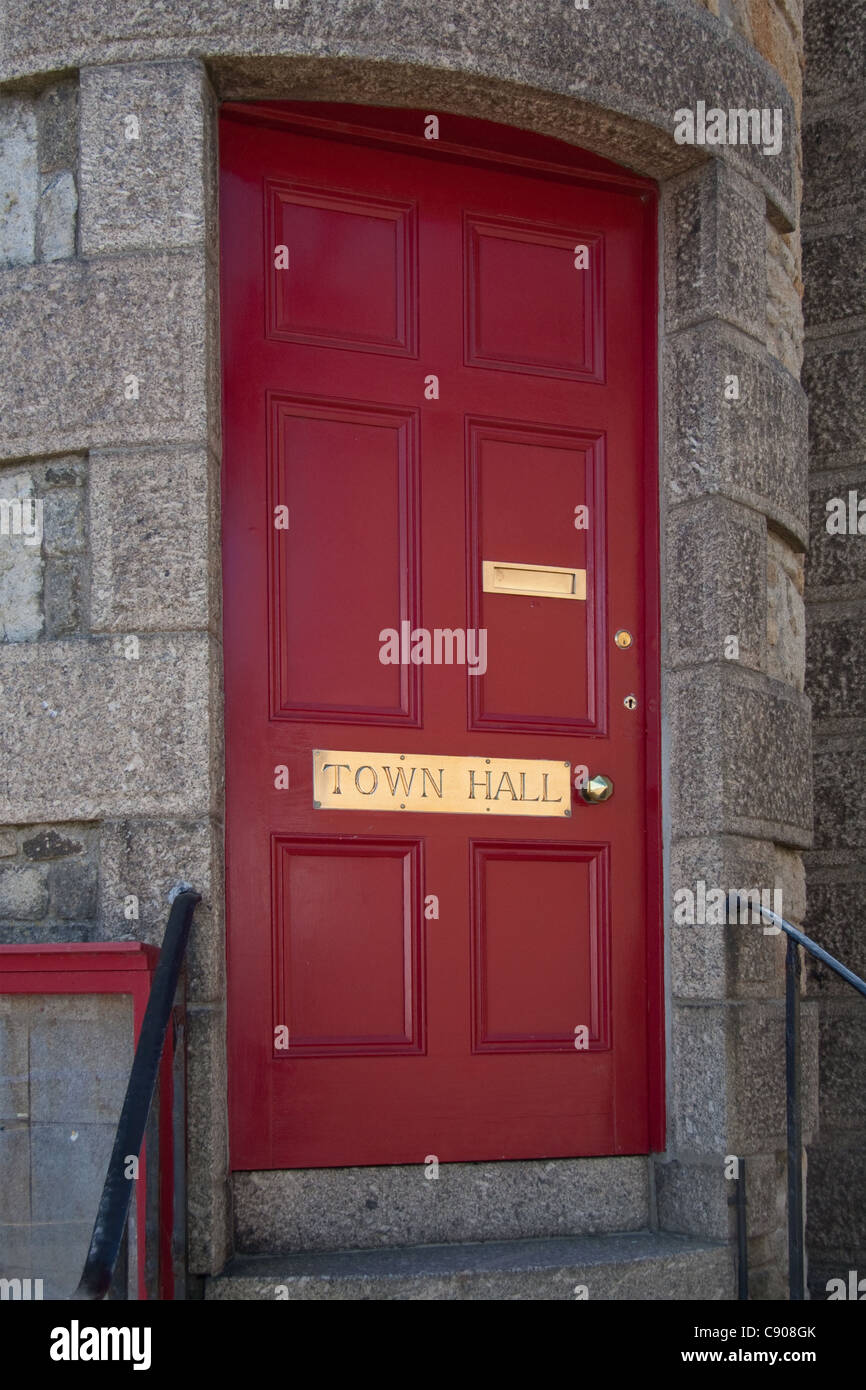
[111,1217]
[795,938]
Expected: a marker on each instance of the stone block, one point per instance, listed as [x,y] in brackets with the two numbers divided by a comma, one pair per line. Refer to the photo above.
[14,1063]
[640,1265]
[15,1187]
[68,1167]
[833,920]
[736,959]
[784,335]
[786,614]
[753,449]
[15,1251]
[766,1194]
[740,756]
[836,1212]
[836,664]
[64,521]
[55,218]
[699,1082]
[150,517]
[54,843]
[833,186]
[757,1080]
[59,1250]
[836,568]
[72,885]
[68,471]
[836,48]
[146,192]
[8,844]
[136,325]
[843,1067]
[693,1198]
[94,734]
[81,1051]
[364,1208]
[840,799]
[208,1205]
[834,375]
[768,1268]
[834,272]
[57,113]
[19,181]
[716,220]
[772,36]
[709,599]
[61,597]
[21,564]
[147,859]
[23,892]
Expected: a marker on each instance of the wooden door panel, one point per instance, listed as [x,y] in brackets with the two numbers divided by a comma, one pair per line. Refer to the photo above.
[353,269]
[341,906]
[527,310]
[546,662]
[325,655]
[540,946]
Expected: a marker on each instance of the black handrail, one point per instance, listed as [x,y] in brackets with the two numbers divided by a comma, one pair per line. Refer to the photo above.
[111,1217]
[795,939]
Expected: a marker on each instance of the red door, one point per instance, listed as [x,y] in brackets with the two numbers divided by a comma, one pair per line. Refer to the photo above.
[438,387]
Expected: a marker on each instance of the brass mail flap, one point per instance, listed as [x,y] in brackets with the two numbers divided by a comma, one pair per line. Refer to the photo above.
[545,581]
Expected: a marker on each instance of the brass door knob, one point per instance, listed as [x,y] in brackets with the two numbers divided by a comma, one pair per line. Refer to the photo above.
[598,788]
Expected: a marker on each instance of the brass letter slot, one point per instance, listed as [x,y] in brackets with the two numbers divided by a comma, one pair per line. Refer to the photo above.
[544,581]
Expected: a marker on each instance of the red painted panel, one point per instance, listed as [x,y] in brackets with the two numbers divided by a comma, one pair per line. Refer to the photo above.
[340,905]
[539,927]
[330,237]
[555,680]
[528,309]
[448,1032]
[326,654]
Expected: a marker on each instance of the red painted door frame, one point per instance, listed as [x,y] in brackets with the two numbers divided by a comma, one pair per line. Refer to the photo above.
[486,147]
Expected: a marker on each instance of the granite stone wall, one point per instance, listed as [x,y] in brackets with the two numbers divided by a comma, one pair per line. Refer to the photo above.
[834,372]
[110,663]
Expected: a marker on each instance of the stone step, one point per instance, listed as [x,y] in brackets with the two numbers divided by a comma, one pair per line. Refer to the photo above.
[639,1265]
[289,1211]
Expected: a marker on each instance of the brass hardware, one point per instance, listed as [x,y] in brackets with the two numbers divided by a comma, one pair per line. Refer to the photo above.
[623,639]
[539,581]
[597,789]
[630,702]
[400,782]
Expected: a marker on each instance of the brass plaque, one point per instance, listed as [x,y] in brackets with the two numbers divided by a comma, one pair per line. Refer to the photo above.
[538,581]
[428,782]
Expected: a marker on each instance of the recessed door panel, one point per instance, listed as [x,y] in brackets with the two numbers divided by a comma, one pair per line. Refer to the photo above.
[325,654]
[556,678]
